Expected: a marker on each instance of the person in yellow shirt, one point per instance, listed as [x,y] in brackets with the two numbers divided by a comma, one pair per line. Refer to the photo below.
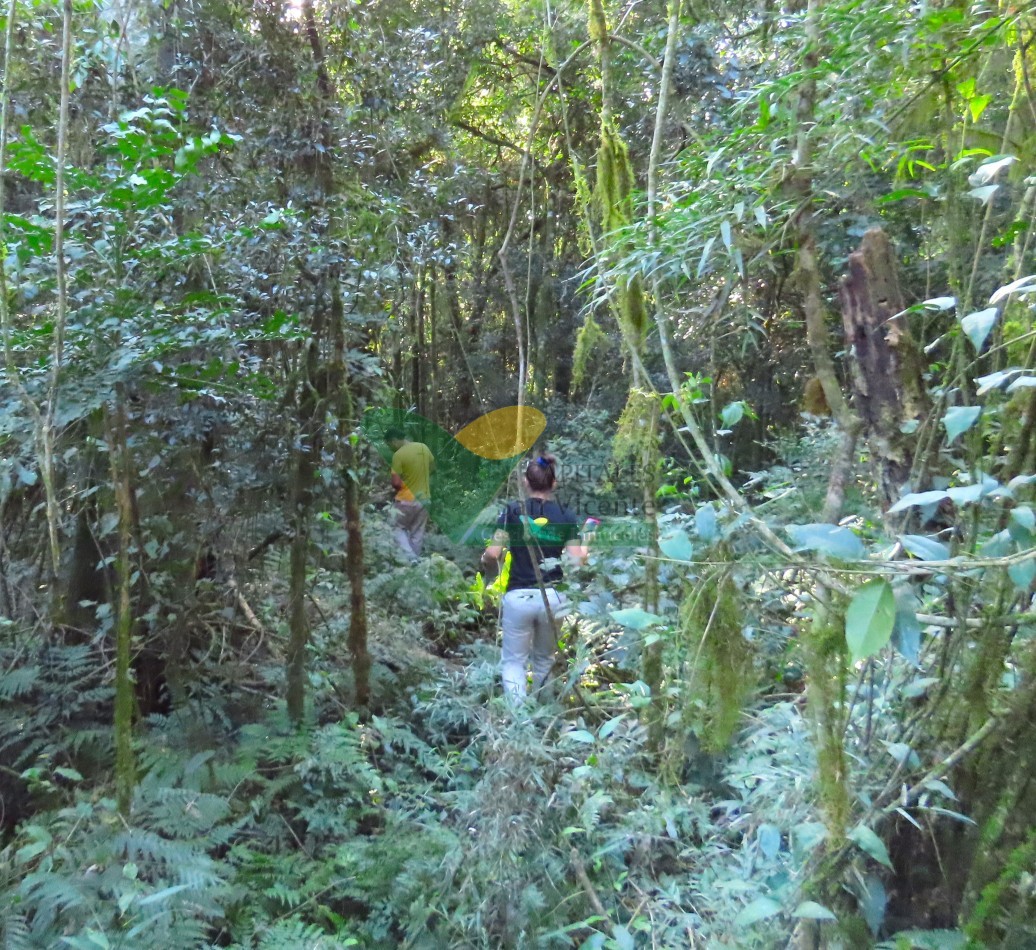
[412,467]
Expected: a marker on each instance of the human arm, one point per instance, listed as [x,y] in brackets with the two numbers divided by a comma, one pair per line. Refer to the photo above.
[577,547]
[495,550]
[577,552]
[494,553]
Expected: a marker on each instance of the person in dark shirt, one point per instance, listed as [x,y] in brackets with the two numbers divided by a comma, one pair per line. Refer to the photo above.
[539,528]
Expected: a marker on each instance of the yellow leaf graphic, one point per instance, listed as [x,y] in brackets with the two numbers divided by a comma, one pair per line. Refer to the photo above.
[503,433]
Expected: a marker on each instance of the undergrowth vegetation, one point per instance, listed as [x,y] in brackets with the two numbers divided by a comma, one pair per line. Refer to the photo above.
[447,818]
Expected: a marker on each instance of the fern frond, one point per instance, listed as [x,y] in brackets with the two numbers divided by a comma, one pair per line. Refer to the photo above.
[18,682]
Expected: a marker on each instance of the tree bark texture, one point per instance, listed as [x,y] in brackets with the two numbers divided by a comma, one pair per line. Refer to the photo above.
[298,621]
[340,391]
[306,457]
[888,391]
[118,454]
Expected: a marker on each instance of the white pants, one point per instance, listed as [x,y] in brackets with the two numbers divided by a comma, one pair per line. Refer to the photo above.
[527,634]
[410,521]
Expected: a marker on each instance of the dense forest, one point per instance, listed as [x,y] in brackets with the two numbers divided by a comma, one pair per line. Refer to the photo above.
[761,274]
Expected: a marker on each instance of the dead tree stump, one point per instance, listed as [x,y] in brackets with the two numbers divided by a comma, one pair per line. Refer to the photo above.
[888,390]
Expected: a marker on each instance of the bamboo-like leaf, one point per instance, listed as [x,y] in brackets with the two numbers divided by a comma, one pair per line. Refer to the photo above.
[1024,285]
[868,841]
[811,910]
[959,419]
[869,618]
[979,325]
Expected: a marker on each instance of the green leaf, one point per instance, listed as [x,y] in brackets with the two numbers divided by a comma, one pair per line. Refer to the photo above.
[732,414]
[829,539]
[869,618]
[903,754]
[919,687]
[1023,285]
[29,851]
[1022,575]
[705,523]
[993,380]
[623,938]
[806,837]
[940,303]
[676,545]
[906,633]
[924,548]
[811,910]
[918,498]
[1022,524]
[635,618]
[769,840]
[759,909]
[902,193]
[580,735]
[988,170]
[984,193]
[959,419]
[868,841]
[978,325]
[163,894]
[977,105]
[706,251]
[941,787]
[1022,382]
[724,230]
[41,841]
[969,494]
[873,901]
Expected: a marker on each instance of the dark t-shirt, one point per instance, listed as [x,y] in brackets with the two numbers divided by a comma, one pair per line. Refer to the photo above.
[549,528]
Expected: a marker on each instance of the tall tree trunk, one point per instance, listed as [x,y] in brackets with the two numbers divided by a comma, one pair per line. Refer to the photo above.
[311,406]
[417,341]
[119,459]
[355,568]
[432,376]
[652,668]
[298,620]
[45,418]
[311,402]
[340,391]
